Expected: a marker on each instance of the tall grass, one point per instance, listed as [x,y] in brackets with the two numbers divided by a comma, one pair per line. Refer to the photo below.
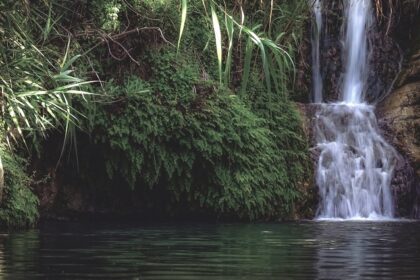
[37,82]
[273,51]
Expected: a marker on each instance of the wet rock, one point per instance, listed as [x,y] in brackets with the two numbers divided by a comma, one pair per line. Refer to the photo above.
[47,190]
[307,206]
[399,115]
[384,57]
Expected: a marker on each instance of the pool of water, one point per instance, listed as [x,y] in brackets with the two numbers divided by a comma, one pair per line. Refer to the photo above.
[301,250]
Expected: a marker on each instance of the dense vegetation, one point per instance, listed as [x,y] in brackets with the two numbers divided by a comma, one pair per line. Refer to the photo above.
[19,206]
[179,106]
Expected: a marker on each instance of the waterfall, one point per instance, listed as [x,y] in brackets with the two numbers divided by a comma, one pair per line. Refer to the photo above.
[358,20]
[316,60]
[355,164]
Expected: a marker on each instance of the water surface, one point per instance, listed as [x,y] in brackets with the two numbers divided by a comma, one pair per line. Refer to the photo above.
[304,250]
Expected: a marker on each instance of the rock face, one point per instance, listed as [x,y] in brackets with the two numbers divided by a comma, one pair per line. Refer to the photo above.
[308,205]
[384,57]
[401,111]
[399,115]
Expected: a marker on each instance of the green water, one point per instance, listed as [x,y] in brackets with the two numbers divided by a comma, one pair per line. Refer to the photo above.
[305,250]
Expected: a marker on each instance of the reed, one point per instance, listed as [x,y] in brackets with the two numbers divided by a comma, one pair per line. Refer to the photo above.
[266,49]
[38,83]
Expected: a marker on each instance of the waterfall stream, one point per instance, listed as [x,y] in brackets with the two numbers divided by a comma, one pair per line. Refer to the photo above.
[358,21]
[316,59]
[356,164]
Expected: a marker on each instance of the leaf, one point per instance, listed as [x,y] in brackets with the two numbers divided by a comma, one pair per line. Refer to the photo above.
[183,20]
[247,66]
[228,64]
[218,38]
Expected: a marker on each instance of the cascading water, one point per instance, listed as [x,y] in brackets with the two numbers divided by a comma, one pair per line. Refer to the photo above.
[359,19]
[355,165]
[316,60]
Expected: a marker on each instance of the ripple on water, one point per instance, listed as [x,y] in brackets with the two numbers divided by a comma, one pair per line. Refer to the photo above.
[306,250]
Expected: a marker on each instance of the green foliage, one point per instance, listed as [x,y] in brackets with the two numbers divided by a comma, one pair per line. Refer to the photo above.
[233,147]
[113,16]
[275,63]
[107,12]
[286,125]
[195,138]
[38,89]
[37,82]
[19,207]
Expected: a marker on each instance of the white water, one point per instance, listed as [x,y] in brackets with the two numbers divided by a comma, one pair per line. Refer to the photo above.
[316,60]
[359,19]
[355,165]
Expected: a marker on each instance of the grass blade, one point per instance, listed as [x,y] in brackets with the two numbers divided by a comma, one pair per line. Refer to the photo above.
[228,64]
[218,38]
[183,20]
[247,66]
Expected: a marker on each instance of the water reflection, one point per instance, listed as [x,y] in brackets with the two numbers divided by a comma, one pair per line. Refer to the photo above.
[2,237]
[19,252]
[368,250]
[311,250]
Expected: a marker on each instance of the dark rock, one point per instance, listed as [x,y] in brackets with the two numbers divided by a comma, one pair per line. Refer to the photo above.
[384,56]
[399,115]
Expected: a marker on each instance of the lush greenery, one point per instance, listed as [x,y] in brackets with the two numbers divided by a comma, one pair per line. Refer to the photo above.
[38,86]
[192,98]
[196,139]
[19,206]
[36,80]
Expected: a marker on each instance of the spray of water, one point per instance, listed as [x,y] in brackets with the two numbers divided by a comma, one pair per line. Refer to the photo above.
[355,165]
